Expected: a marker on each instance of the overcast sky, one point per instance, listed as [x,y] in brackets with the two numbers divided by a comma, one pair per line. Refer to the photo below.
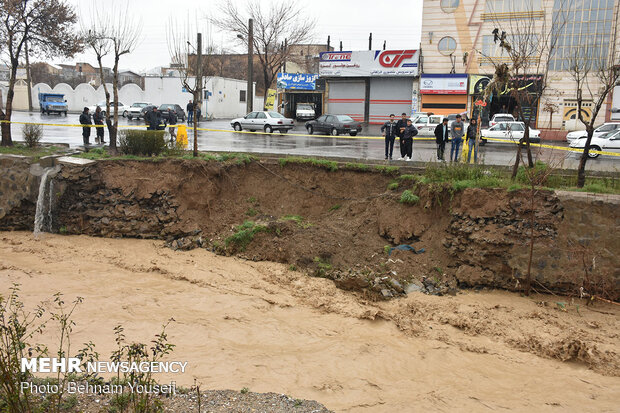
[397,22]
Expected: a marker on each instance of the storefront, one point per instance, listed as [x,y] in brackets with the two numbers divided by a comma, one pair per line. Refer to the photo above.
[370,85]
[443,94]
[300,88]
[502,101]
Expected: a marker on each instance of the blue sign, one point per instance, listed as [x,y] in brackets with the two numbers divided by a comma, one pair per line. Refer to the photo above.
[303,81]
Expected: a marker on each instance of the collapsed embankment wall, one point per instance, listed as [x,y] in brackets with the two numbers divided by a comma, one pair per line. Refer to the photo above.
[339,224]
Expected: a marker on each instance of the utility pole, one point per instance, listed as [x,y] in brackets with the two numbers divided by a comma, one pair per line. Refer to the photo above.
[250,88]
[328,42]
[341,45]
[384,43]
[197,90]
[370,42]
[29,85]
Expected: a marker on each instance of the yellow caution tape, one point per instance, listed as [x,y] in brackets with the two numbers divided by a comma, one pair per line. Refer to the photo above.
[562,148]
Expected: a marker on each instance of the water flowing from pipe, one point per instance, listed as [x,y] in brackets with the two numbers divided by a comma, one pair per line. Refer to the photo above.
[43,210]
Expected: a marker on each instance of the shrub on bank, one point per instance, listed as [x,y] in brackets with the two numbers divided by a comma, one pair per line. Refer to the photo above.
[142,142]
[32,135]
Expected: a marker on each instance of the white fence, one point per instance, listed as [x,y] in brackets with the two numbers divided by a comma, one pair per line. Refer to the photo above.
[223,101]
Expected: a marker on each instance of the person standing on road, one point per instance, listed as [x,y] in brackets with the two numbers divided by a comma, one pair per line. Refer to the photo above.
[408,133]
[198,113]
[457,132]
[98,118]
[389,131]
[153,119]
[172,121]
[400,128]
[442,134]
[86,121]
[190,112]
[472,132]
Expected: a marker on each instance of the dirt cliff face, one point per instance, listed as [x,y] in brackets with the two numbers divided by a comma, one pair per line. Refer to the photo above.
[344,224]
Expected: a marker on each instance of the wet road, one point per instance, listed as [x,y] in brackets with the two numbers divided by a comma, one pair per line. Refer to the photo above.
[315,145]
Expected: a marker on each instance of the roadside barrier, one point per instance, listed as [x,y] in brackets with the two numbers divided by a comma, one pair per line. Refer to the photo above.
[180,126]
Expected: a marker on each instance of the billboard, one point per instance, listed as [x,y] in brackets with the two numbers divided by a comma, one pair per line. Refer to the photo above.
[448,84]
[303,81]
[478,83]
[271,99]
[369,63]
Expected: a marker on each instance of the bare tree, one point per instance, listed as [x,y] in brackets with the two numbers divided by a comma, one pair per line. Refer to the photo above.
[192,71]
[595,69]
[111,32]
[523,48]
[48,28]
[276,25]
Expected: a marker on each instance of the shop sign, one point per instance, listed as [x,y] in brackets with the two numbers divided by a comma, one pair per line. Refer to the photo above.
[478,83]
[369,63]
[303,81]
[271,99]
[449,84]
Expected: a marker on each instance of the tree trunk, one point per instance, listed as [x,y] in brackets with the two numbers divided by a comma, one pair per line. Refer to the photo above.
[114,128]
[526,138]
[581,171]
[6,126]
[515,168]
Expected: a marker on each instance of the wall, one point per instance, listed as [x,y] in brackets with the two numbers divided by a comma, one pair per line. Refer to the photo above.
[222,103]
[615,114]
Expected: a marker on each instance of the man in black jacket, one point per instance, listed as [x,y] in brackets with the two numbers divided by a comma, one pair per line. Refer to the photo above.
[153,119]
[190,112]
[98,118]
[442,133]
[407,138]
[400,127]
[86,121]
[389,130]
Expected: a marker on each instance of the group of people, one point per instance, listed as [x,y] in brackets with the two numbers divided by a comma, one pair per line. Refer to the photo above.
[153,118]
[405,131]
[455,133]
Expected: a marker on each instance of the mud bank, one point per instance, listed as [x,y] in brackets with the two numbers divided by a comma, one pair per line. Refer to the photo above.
[337,224]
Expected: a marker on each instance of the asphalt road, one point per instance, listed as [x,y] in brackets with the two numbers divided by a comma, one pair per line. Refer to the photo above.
[315,145]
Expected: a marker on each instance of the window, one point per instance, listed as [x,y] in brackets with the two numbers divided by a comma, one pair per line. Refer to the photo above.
[275,115]
[421,119]
[242,94]
[322,118]
[261,115]
[585,35]
[251,115]
[344,118]
[447,46]
[512,6]
[606,128]
[517,127]
[330,119]
[436,119]
[448,6]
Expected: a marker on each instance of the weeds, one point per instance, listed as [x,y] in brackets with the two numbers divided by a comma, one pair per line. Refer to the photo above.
[251,212]
[301,222]
[335,207]
[322,267]
[388,170]
[392,186]
[32,135]
[244,390]
[320,163]
[409,198]
[244,234]
[356,166]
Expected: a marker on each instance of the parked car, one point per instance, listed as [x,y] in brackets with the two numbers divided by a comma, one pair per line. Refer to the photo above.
[509,132]
[167,107]
[122,109]
[426,124]
[135,110]
[52,103]
[609,141]
[305,111]
[267,121]
[334,125]
[501,117]
[598,131]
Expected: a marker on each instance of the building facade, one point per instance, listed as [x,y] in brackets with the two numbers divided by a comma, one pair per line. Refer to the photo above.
[458,39]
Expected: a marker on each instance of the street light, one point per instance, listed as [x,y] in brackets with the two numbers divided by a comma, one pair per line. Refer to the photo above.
[249,94]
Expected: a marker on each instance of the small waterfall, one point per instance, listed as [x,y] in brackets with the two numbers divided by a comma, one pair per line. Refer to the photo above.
[43,214]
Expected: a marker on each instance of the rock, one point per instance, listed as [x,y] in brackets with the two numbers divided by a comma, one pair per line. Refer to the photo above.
[413,288]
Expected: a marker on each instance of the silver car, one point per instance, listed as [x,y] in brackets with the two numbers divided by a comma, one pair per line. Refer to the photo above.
[267,121]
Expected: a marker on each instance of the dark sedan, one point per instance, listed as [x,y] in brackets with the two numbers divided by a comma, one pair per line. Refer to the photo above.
[334,125]
[167,107]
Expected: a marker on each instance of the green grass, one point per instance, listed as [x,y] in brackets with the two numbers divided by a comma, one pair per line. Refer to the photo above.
[244,234]
[409,198]
[335,207]
[320,163]
[392,186]
[298,219]
[36,153]
[389,170]
[356,166]
[406,177]
[251,212]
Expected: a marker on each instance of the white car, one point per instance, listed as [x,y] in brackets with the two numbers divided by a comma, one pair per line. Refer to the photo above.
[267,121]
[426,124]
[501,117]
[122,109]
[135,110]
[305,111]
[509,132]
[599,131]
[609,141]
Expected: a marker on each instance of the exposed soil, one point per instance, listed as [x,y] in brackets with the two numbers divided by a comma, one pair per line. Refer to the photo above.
[342,224]
[262,326]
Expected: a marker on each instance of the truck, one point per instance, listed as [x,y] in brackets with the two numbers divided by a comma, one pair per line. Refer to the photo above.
[52,103]
[305,111]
